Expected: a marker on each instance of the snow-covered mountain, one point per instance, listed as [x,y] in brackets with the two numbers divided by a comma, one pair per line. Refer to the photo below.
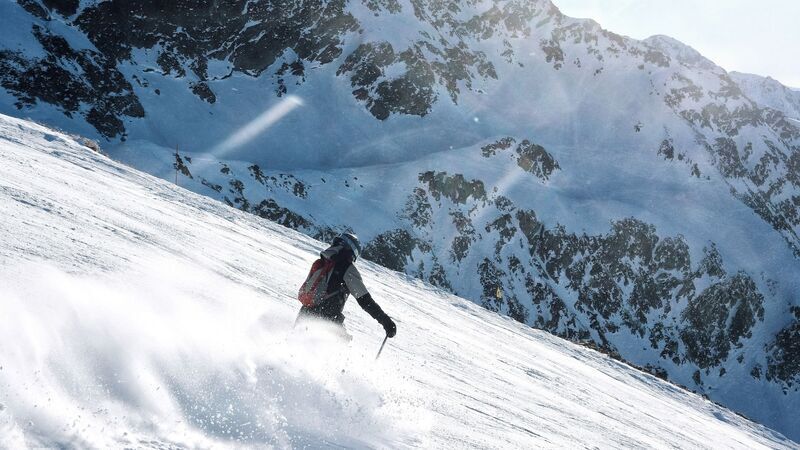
[769,92]
[628,193]
[139,315]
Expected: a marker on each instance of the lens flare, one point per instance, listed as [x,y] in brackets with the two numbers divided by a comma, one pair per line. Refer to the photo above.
[256,126]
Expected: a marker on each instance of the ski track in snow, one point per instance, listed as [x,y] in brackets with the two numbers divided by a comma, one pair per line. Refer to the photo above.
[136,314]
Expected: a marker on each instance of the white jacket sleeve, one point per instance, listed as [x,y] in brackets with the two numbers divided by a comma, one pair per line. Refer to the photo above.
[354,283]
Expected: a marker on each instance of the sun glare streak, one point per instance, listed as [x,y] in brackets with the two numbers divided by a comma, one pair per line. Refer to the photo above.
[256,126]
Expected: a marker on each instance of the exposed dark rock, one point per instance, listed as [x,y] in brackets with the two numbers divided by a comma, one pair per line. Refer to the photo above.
[427,63]
[239,199]
[213,186]
[619,279]
[68,78]
[257,173]
[453,187]
[728,160]
[505,227]
[502,144]
[35,9]
[531,157]
[187,35]
[667,150]
[392,6]
[296,69]
[255,34]
[204,92]
[689,90]
[299,189]
[764,187]
[418,209]
[287,182]
[191,34]
[553,52]
[783,355]
[466,235]
[64,7]
[657,58]
[269,209]
[656,371]
[180,165]
[391,249]
[438,277]
[719,318]
[535,159]
[711,262]
[491,278]
[673,254]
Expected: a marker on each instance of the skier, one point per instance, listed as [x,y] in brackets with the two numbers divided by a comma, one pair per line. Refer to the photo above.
[344,280]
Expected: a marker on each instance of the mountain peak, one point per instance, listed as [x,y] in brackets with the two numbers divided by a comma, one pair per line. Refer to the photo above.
[680,51]
[769,92]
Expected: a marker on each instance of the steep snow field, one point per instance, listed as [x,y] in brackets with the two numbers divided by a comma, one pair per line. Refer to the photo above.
[134,313]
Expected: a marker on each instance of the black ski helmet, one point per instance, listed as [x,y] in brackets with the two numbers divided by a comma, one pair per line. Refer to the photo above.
[351,241]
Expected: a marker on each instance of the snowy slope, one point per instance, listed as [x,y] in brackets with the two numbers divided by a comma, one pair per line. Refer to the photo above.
[136,313]
[687,260]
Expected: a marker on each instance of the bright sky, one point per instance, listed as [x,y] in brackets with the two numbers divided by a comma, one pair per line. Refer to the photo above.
[753,36]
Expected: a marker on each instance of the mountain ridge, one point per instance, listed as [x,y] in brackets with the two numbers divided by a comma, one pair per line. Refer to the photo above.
[489,121]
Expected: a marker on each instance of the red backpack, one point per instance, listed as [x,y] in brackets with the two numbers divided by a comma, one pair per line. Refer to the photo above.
[313,290]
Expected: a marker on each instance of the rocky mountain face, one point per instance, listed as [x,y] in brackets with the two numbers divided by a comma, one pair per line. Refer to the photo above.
[769,92]
[630,194]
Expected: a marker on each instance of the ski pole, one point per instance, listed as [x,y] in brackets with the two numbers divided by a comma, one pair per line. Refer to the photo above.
[381,349]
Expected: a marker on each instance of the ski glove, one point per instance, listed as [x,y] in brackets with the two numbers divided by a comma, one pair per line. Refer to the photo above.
[389,326]
[368,304]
